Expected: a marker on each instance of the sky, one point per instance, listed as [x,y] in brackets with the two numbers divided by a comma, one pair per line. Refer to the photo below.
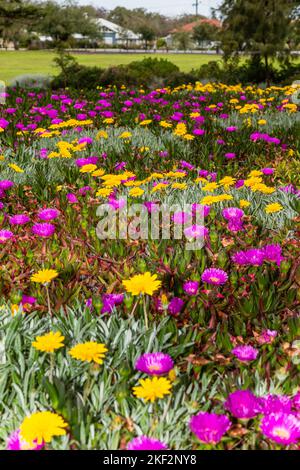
[165,7]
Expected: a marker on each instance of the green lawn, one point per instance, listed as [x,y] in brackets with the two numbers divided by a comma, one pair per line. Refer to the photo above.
[16,63]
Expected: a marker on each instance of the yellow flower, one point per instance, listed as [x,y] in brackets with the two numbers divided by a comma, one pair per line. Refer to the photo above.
[244,203]
[261,122]
[135,192]
[102,135]
[44,276]
[189,137]
[151,389]
[15,167]
[275,207]
[179,185]
[227,181]
[104,192]
[89,351]
[108,121]
[99,172]
[90,168]
[142,284]
[210,187]
[41,427]
[125,135]
[165,124]
[145,122]
[49,342]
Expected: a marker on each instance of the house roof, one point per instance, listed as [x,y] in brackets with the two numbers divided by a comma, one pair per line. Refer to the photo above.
[188,28]
[120,32]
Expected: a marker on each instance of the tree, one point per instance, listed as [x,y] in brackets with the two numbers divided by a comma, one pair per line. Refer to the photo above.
[62,21]
[183,40]
[205,32]
[147,34]
[260,28]
[16,17]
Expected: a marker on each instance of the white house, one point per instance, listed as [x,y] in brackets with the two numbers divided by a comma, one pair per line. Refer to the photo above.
[114,34]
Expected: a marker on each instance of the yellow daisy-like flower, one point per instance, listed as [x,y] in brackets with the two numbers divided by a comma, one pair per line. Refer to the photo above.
[44,276]
[41,427]
[142,284]
[135,192]
[15,167]
[89,351]
[179,185]
[104,192]
[275,207]
[90,168]
[49,342]
[151,389]
[98,172]
[244,203]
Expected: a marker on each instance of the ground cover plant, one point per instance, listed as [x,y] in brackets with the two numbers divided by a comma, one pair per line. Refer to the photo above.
[137,342]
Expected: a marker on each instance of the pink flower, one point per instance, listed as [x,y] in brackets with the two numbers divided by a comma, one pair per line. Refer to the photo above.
[48,214]
[43,230]
[5,235]
[245,353]
[15,442]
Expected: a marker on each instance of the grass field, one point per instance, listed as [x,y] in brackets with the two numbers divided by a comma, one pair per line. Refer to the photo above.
[15,63]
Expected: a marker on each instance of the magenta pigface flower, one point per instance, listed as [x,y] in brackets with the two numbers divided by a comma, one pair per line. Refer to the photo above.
[43,230]
[209,427]
[5,235]
[242,404]
[283,428]
[19,219]
[154,363]
[214,276]
[48,214]
[15,442]
[191,287]
[146,443]
[245,353]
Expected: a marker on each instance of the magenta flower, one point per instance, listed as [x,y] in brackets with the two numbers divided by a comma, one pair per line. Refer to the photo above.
[27,299]
[209,427]
[19,219]
[242,404]
[15,442]
[253,257]
[6,184]
[154,363]
[175,306]
[296,401]
[191,287]
[245,353]
[275,404]
[283,428]
[232,213]
[214,276]
[146,443]
[181,217]
[230,155]
[202,209]
[273,253]
[268,171]
[266,337]
[72,198]
[5,235]
[195,231]
[43,230]
[48,214]
[110,301]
